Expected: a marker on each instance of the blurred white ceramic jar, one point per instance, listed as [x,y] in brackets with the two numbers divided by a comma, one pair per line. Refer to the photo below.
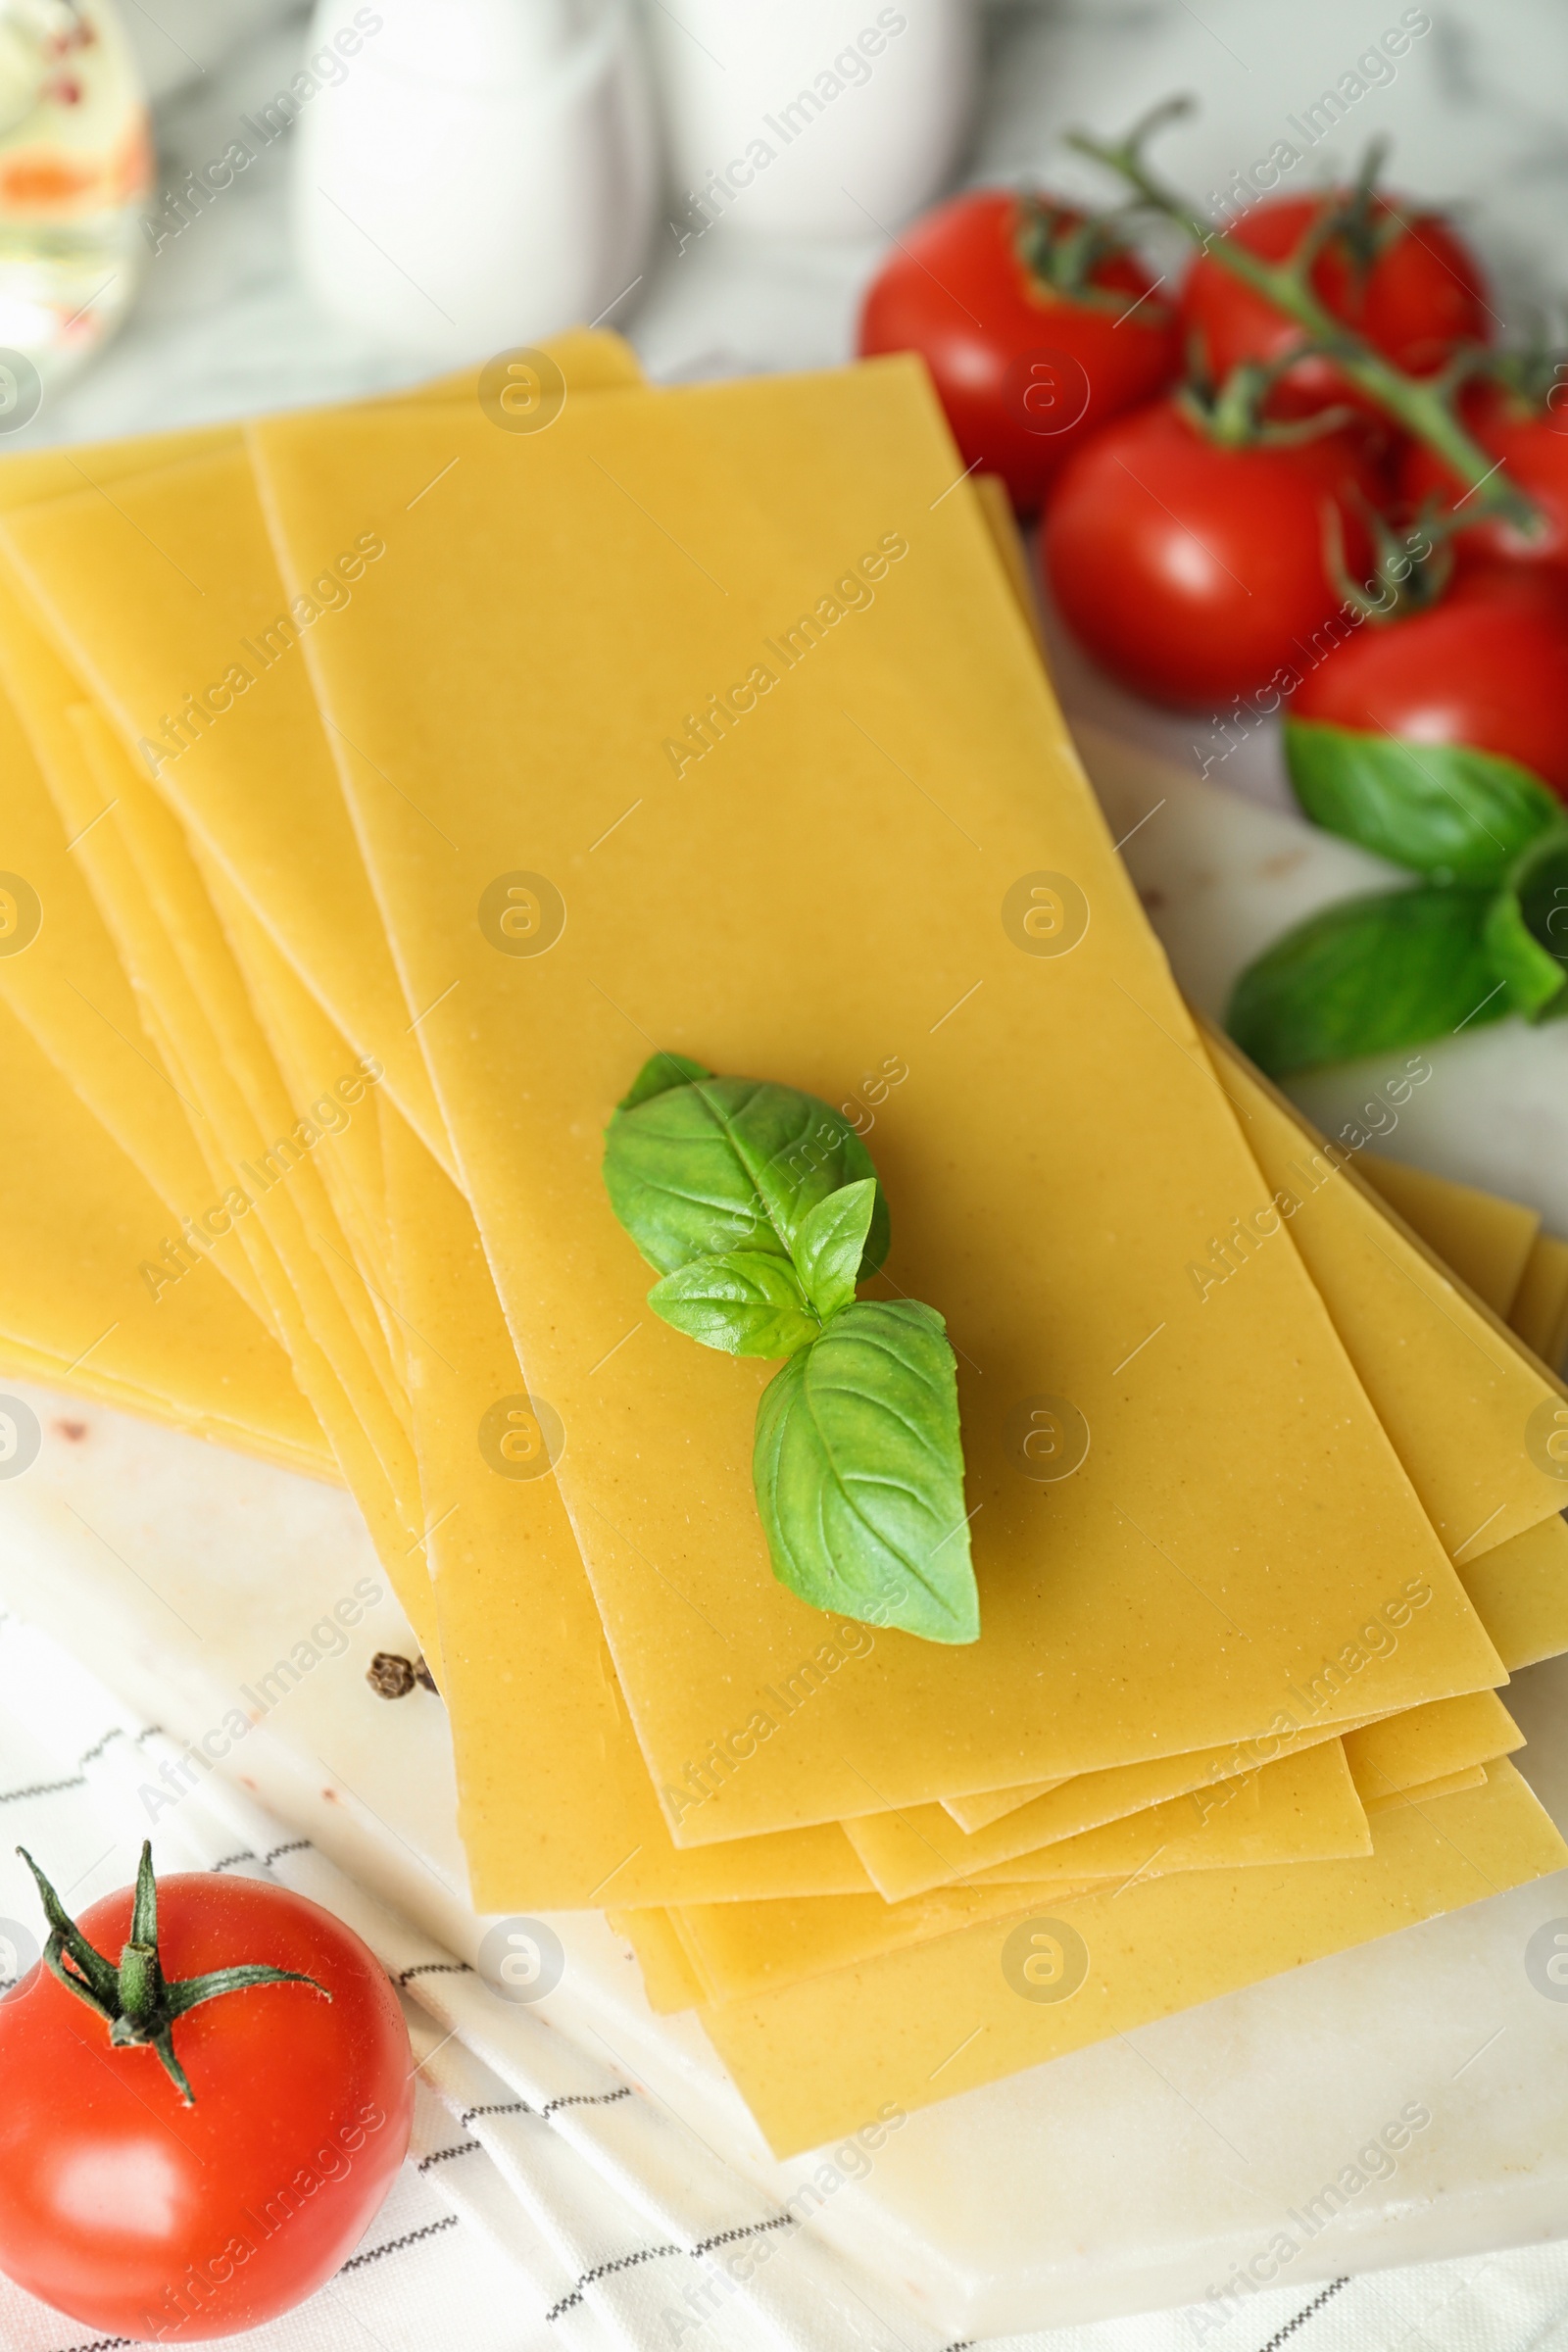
[473,173]
[812,118]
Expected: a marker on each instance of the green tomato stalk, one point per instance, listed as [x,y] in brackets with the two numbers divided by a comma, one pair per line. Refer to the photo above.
[1423,404]
[135,1999]
[1063,248]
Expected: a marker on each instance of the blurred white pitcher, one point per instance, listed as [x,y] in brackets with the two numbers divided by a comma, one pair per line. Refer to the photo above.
[472,174]
[812,118]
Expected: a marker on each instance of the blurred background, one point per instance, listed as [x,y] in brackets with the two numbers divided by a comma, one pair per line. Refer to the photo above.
[553,152]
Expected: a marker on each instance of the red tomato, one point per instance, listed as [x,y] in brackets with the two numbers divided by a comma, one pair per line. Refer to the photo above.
[143,2217]
[1532,445]
[1025,374]
[1422,293]
[1193,571]
[1487,668]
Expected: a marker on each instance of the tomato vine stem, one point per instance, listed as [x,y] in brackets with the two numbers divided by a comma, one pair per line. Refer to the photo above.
[1422,405]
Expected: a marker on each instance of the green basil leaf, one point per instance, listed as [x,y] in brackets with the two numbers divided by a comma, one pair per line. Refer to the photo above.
[1368,976]
[1446,811]
[859,1471]
[1527,932]
[716,1165]
[658,1073]
[830,1244]
[745,1303]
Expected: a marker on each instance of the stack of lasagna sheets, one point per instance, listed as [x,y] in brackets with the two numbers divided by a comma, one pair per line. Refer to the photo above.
[383,786]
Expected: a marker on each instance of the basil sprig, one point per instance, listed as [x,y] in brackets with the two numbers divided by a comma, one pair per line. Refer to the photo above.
[1484,935]
[761,1212]
[698,1166]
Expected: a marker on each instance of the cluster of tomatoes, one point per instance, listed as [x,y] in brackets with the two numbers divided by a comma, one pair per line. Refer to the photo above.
[1296,548]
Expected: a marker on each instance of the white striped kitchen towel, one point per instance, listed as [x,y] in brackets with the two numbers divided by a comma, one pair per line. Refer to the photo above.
[547,2201]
